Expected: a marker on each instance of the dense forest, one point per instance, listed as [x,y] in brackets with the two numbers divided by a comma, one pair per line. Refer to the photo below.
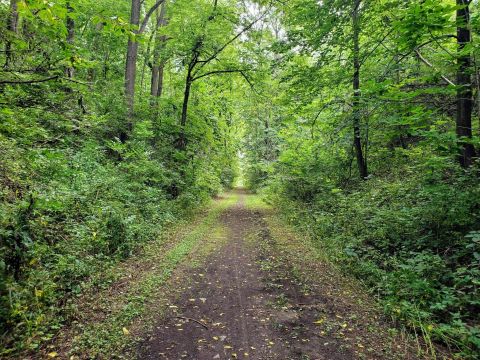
[358,121]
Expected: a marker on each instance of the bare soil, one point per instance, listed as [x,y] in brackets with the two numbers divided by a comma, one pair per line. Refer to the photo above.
[250,302]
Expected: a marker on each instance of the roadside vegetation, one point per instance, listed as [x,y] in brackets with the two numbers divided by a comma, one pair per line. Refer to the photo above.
[357,120]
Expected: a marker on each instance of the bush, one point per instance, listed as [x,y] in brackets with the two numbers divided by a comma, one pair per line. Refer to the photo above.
[413,240]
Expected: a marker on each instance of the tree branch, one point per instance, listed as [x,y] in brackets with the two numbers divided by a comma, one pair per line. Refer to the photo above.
[29,81]
[77,81]
[425,61]
[219,72]
[219,50]
[147,16]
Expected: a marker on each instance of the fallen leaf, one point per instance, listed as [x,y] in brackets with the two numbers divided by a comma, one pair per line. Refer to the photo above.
[125,331]
[52,354]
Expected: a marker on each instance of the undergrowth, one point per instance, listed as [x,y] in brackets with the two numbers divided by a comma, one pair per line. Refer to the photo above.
[413,241]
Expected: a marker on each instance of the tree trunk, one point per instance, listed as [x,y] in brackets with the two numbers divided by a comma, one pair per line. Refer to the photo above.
[131,63]
[464,86]
[154,83]
[157,81]
[160,79]
[158,65]
[12,26]
[357,141]
[182,141]
[69,71]
[146,62]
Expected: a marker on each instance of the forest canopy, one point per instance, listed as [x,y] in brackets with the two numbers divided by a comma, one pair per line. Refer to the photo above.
[358,120]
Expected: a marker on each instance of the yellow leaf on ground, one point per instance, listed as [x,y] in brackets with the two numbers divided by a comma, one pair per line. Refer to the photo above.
[125,331]
[52,354]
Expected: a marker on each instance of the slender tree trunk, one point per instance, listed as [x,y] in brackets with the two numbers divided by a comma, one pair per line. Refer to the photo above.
[154,83]
[146,62]
[158,65]
[182,142]
[357,141]
[464,85]
[186,96]
[131,62]
[69,71]
[12,26]
[161,69]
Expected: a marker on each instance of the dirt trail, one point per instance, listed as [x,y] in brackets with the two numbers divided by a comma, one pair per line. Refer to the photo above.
[240,307]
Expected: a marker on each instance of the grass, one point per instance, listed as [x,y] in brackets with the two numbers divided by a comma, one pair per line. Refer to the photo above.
[255,202]
[118,316]
[309,267]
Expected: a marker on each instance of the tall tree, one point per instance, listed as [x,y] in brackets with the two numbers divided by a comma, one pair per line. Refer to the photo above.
[196,71]
[357,140]
[464,84]
[131,60]
[158,63]
[70,24]
[132,55]
[12,24]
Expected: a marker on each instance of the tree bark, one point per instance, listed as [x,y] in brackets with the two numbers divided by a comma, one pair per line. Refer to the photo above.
[131,62]
[186,96]
[357,141]
[160,79]
[182,141]
[12,26]
[70,23]
[158,65]
[464,85]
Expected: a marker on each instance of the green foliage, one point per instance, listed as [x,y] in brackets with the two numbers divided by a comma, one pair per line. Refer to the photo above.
[410,240]
[87,179]
[409,230]
[75,197]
